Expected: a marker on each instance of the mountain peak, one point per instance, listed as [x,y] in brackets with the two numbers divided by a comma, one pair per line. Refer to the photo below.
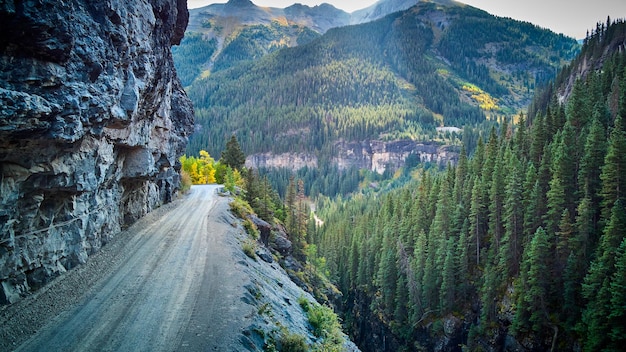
[240,3]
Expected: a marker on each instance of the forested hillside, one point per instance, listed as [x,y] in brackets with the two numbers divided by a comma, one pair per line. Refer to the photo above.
[220,36]
[520,246]
[395,78]
[200,54]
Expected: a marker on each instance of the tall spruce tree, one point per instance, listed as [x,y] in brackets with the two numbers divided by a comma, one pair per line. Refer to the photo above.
[233,156]
[597,286]
[613,174]
[532,305]
[511,252]
[617,316]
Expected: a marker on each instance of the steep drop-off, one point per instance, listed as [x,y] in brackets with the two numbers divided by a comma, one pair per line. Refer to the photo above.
[92,121]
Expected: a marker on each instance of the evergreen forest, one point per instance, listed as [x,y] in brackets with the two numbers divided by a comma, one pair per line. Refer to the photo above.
[520,245]
[395,78]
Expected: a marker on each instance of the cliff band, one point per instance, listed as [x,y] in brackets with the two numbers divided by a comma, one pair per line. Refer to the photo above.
[92,121]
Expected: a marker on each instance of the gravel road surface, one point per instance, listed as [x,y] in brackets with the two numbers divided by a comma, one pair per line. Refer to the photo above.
[168,283]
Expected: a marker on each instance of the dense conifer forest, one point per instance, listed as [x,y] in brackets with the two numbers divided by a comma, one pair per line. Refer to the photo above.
[518,245]
[523,238]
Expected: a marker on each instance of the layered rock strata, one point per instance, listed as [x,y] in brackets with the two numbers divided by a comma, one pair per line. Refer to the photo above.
[370,155]
[92,121]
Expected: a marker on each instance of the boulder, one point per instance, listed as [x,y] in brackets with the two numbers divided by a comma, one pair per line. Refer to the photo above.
[279,241]
[264,227]
[264,254]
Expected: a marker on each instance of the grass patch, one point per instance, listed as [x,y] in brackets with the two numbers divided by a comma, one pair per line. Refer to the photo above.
[290,342]
[265,308]
[285,341]
[251,229]
[241,208]
[249,247]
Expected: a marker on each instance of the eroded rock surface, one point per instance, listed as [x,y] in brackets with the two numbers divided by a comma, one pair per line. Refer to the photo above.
[92,122]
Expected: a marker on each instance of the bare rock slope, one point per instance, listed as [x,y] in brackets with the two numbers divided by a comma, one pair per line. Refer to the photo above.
[92,121]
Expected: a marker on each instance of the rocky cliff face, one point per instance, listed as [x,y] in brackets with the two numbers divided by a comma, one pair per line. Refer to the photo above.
[293,161]
[370,155]
[92,121]
[378,155]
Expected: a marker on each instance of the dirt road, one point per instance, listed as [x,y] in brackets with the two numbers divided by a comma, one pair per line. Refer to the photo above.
[171,285]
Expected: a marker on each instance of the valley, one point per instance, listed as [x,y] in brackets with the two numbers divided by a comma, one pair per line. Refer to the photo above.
[418,175]
[397,78]
[456,166]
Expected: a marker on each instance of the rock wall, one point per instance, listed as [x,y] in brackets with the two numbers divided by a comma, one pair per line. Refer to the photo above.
[378,155]
[92,122]
[293,161]
[371,155]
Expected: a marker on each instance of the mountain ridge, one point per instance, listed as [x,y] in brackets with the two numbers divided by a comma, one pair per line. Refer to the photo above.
[410,71]
[250,14]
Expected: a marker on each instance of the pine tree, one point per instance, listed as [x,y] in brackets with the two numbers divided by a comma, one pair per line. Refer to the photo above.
[477,219]
[597,285]
[510,255]
[556,194]
[463,262]
[387,275]
[617,316]
[578,108]
[302,211]
[496,200]
[448,280]
[573,275]
[539,139]
[401,304]
[233,156]
[590,184]
[532,307]
[614,169]
[416,287]
[291,218]
[521,141]
[564,240]
[461,175]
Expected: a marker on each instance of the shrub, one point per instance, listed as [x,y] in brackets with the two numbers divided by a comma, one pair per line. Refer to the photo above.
[251,229]
[325,324]
[290,342]
[241,208]
[322,320]
[249,247]
[185,181]
[304,303]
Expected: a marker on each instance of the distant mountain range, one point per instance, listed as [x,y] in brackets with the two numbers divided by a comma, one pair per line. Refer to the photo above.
[239,30]
[283,86]
[319,18]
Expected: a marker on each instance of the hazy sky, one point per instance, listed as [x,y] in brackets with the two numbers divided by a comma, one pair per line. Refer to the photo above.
[571,17]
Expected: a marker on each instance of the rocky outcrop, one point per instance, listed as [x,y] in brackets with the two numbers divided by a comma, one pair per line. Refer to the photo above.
[378,155]
[371,155]
[293,161]
[92,121]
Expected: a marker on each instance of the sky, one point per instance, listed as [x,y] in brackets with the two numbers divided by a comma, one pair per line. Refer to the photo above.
[570,17]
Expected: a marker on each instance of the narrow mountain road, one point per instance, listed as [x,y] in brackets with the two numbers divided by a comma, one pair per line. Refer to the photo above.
[171,285]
